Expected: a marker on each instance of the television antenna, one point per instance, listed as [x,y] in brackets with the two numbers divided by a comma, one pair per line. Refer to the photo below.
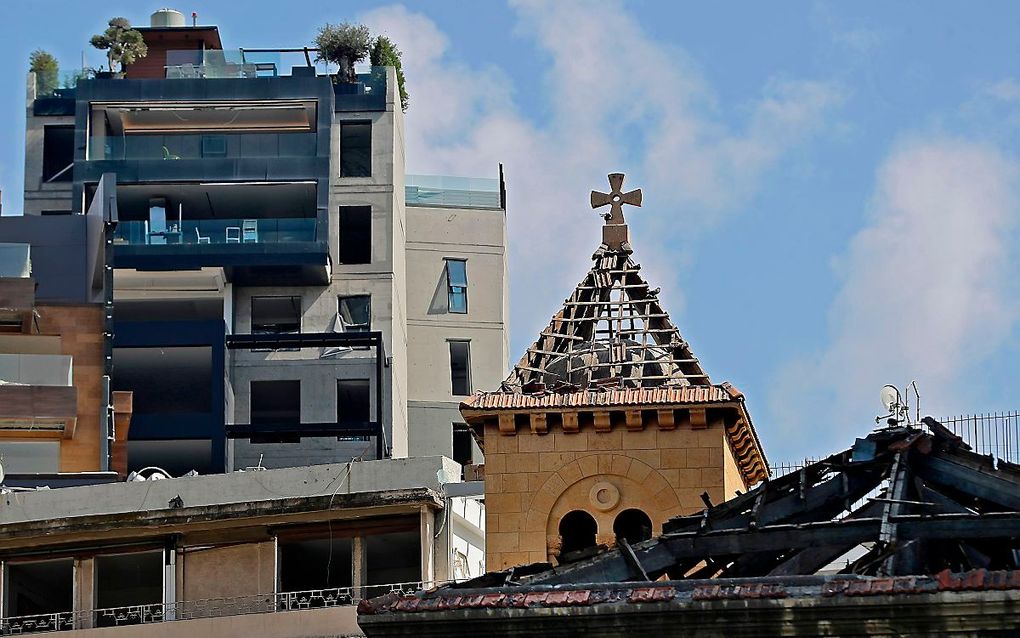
[897,406]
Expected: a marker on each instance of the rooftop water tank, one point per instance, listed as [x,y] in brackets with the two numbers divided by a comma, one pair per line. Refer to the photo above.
[167,18]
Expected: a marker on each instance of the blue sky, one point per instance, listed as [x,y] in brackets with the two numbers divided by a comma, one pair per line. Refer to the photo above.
[830,188]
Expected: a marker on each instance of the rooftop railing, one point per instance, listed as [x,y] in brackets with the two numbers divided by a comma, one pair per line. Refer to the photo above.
[196,63]
[442,190]
[205,608]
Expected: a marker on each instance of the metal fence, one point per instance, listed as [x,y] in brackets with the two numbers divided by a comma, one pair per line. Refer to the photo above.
[992,434]
[206,608]
[996,434]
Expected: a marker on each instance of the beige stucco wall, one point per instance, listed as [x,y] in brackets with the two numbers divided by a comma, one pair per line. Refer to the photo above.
[223,572]
[533,480]
[479,236]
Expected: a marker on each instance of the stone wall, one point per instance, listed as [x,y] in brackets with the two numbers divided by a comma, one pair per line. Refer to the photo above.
[532,480]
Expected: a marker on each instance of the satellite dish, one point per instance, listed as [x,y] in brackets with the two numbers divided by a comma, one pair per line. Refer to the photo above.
[890,397]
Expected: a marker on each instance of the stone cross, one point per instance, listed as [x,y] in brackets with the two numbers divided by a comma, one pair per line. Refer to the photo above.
[615,199]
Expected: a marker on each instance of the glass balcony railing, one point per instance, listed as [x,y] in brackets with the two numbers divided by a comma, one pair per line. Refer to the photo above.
[212,64]
[202,146]
[441,190]
[216,232]
[15,260]
[36,369]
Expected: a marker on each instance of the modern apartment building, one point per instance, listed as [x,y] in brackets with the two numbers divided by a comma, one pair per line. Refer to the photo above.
[283,293]
[60,424]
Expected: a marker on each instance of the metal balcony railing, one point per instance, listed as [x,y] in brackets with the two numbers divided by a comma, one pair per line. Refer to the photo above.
[205,608]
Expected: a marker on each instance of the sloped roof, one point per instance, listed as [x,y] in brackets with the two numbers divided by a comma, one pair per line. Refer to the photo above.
[611,327]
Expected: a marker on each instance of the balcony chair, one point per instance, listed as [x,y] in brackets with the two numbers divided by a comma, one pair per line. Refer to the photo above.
[233,234]
[250,231]
[155,228]
[202,239]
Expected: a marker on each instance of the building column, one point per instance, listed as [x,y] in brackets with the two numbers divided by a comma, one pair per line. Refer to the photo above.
[360,576]
[428,545]
[83,594]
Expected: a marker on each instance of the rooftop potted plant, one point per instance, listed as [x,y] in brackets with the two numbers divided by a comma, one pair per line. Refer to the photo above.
[46,70]
[123,45]
[345,45]
[385,53]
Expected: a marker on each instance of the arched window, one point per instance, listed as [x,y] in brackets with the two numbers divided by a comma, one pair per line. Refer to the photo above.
[634,525]
[577,529]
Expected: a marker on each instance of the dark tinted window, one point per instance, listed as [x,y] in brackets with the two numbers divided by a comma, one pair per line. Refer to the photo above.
[275,314]
[460,367]
[352,401]
[356,149]
[355,234]
[58,153]
[275,402]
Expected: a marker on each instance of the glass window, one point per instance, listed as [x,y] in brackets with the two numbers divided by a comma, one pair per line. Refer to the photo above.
[356,149]
[171,379]
[355,313]
[463,446]
[352,401]
[38,587]
[275,402]
[390,559]
[325,563]
[460,367]
[456,285]
[58,153]
[355,234]
[124,580]
[214,146]
[275,314]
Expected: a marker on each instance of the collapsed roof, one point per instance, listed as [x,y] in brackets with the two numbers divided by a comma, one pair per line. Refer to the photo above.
[911,500]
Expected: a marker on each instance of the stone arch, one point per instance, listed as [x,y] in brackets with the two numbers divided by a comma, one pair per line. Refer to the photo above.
[603,484]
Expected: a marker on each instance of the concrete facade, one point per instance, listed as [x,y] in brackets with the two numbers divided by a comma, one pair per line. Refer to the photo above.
[228,545]
[479,237]
[405,277]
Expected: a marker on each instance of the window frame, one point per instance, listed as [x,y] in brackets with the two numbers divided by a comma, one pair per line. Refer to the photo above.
[340,235]
[353,327]
[453,289]
[340,158]
[467,367]
[64,174]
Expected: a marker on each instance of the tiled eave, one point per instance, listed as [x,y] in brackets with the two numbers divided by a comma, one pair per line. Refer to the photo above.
[682,593]
[598,398]
[741,435]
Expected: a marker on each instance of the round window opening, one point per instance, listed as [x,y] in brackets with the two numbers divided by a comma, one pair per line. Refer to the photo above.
[632,525]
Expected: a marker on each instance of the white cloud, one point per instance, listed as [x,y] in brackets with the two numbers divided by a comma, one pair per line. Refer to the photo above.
[927,294]
[617,101]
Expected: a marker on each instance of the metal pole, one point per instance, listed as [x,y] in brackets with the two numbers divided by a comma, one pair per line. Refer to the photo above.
[379,396]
